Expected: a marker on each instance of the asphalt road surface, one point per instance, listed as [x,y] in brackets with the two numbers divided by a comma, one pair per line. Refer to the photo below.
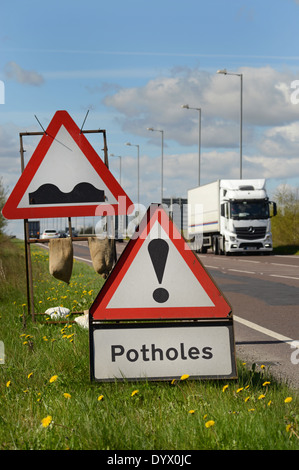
[264,294]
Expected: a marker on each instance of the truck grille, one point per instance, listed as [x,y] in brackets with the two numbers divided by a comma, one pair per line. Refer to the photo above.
[250,233]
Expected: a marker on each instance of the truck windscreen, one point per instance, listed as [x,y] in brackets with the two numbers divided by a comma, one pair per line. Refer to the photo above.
[249,210]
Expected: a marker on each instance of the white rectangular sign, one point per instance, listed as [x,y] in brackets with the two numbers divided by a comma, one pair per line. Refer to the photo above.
[162,351]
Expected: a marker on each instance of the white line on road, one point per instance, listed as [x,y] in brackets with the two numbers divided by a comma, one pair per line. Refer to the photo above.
[286,277]
[263,330]
[240,271]
[83,259]
[288,265]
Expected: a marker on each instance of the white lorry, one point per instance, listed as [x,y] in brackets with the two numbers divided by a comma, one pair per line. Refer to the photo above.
[231,216]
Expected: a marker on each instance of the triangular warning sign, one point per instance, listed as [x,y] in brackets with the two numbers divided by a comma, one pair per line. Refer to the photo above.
[65,177]
[158,276]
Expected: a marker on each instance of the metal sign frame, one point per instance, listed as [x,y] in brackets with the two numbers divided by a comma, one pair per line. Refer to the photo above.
[27,240]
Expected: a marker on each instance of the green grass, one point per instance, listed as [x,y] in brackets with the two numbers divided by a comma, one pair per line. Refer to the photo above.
[249,413]
[286,250]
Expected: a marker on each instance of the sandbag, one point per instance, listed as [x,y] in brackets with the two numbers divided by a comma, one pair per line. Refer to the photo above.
[103,254]
[61,258]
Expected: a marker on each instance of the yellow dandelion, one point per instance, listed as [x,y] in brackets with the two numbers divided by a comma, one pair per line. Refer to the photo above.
[66,395]
[191,412]
[100,397]
[288,427]
[251,409]
[173,382]
[261,397]
[53,378]
[8,383]
[134,392]
[288,400]
[262,366]
[30,375]
[184,377]
[224,388]
[240,389]
[209,423]
[46,421]
[266,383]
[246,399]
[269,402]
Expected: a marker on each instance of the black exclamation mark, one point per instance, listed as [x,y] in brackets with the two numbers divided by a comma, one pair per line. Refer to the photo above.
[158,251]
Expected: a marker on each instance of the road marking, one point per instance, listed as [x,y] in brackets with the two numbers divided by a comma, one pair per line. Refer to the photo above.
[240,271]
[83,259]
[249,261]
[263,330]
[288,265]
[286,277]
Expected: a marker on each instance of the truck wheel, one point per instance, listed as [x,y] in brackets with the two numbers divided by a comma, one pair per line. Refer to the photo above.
[215,246]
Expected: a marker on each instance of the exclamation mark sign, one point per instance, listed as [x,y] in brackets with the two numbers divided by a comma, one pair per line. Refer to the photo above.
[158,251]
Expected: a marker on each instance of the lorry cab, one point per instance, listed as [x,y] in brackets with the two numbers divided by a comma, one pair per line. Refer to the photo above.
[245,219]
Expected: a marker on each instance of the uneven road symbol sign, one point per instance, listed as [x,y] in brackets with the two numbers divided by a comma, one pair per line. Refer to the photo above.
[65,177]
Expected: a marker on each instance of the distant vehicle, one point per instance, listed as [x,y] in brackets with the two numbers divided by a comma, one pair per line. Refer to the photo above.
[62,234]
[50,233]
[235,217]
[34,228]
[74,232]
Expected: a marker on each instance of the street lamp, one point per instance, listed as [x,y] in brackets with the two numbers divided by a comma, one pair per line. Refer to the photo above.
[162,151]
[138,173]
[186,106]
[225,72]
[118,156]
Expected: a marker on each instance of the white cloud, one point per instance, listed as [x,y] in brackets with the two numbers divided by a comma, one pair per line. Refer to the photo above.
[15,72]
[266,102]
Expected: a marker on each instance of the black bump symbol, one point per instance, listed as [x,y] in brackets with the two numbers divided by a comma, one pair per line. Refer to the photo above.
[158,251]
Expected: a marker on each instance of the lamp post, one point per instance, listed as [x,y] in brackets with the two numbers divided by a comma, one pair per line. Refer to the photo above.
[225,72]
[138,169]
[118,156]
[186,106]
[162,151]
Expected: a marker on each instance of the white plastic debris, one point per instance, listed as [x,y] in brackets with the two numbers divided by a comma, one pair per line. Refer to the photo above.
[57,312]
[83,321]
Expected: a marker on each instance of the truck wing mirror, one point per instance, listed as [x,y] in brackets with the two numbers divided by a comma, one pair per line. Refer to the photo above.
[274,208]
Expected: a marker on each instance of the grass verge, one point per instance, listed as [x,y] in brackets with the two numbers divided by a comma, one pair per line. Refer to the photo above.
[48,402]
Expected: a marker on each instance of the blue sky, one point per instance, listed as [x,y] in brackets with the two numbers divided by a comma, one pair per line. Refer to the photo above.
[133,64]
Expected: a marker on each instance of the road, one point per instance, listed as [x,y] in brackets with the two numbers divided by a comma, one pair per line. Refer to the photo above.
[264,294]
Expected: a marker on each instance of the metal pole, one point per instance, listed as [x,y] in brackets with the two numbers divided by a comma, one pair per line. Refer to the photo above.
[162,157]
[225,72]
[199,144]
[186,106]
[29,281]
[241,123]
